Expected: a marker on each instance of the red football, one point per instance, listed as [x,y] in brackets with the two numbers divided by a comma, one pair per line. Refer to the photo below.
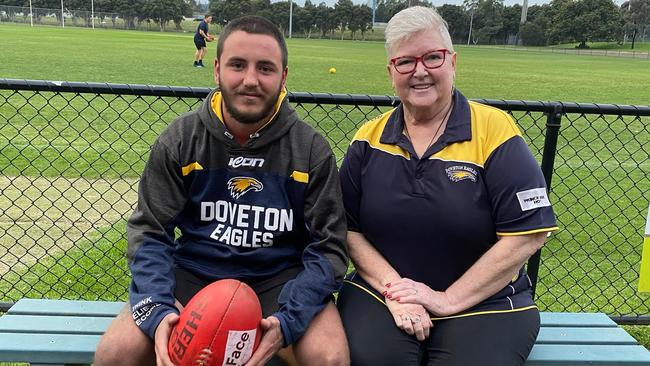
[219,326]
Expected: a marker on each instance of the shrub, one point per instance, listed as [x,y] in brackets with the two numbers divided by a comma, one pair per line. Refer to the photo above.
[532,35]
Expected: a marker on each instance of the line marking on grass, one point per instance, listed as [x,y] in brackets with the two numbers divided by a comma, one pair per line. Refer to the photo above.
[39,215]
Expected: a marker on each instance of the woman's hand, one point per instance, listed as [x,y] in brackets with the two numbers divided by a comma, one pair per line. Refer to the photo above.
[411,318]
[407,291]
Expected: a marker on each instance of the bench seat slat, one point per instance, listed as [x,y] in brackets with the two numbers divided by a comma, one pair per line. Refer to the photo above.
[66,307]
[576,320]
[555,335]
[48,348]
[578,355]
[54,324]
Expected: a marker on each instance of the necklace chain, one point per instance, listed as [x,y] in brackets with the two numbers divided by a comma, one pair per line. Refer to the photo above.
[433,138]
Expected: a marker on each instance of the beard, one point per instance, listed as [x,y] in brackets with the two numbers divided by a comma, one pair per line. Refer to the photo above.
[249,118]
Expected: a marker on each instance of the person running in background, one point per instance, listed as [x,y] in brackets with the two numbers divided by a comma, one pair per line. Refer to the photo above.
[200,37]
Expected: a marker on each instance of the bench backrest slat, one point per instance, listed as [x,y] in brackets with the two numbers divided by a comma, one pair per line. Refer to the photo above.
[576,320]
[54,324]
[66,307]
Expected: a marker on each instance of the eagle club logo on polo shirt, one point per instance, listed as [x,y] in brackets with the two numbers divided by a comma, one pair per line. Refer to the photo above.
[239,186]
[459,173]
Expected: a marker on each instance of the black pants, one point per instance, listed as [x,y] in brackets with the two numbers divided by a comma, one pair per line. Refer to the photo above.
[267,290]
[497,339]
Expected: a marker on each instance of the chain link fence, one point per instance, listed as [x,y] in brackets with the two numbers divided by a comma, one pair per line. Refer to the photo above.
[625,53]
[87,19]
[72,17]
[71,155]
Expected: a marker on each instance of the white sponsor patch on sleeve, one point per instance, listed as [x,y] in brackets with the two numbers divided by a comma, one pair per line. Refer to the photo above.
[533,198]
[239,347]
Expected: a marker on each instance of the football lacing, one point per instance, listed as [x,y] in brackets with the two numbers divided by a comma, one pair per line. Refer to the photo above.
[203,358]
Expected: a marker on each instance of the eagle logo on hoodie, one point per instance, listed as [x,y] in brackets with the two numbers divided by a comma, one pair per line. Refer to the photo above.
[239,186]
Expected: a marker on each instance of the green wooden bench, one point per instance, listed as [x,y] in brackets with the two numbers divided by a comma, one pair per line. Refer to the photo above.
[63,332]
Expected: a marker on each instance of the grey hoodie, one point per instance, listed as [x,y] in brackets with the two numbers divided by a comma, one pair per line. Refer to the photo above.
[245,212]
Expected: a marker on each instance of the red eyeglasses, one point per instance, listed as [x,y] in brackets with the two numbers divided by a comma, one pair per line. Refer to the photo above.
[431,60]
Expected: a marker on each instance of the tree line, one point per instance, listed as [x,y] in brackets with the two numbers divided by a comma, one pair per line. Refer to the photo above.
[309,20]
[476,21]
[133,12]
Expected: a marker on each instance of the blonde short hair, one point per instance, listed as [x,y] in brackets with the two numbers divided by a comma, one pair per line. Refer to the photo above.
[410,21]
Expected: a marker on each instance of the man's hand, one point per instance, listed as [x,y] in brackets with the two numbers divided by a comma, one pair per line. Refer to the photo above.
[272,340]
[161,340]
[411,318]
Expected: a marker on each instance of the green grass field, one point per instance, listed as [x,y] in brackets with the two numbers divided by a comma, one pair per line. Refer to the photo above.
[35,147]
[80,54]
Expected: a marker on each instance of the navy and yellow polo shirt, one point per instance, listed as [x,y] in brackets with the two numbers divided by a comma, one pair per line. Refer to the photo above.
[432,217]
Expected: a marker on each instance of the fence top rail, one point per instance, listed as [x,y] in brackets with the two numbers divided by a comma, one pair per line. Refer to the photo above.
[316,98]
[567,107]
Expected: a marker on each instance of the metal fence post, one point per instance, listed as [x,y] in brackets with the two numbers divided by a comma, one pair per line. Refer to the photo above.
[553,120]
